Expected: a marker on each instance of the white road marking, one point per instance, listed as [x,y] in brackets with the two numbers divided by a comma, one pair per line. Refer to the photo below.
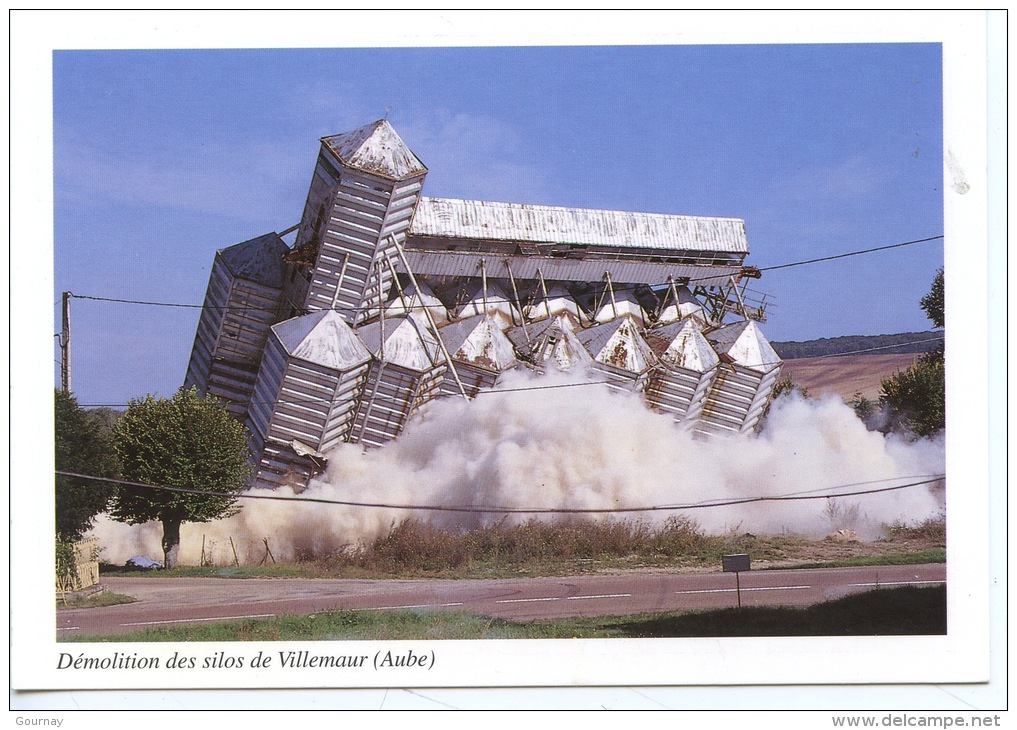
[527,600]
[190,620]
[396,608]
[745,590]
[68,628]
[609,595]
[897,583]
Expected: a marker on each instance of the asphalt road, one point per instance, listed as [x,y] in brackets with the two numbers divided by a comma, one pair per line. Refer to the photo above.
[168,601]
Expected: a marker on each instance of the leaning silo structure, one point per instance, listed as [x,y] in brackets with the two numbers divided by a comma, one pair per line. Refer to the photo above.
[480,353]
[406,373]
[620,355]
[311,379]
[745,380]
[685,370]
[361,199]
[243,300]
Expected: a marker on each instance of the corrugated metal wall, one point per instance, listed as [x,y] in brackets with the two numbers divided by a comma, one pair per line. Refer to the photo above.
[736,400]
[365,211]
[296,400]
[232,330]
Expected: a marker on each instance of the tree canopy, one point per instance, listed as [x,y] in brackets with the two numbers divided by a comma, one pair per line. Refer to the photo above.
[83,445]
[934,302]
[185,441]
[915,399]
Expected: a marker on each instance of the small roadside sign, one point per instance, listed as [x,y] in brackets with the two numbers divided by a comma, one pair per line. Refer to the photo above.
[736,563]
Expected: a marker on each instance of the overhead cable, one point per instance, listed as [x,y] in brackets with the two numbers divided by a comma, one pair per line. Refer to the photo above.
[510,510]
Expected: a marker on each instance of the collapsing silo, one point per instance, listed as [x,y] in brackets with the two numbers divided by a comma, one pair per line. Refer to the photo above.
[619,353]
[746,376]
[362,197]
[370,249]
[406,373]
[308,387]
[480,353]
[243,300]
[686,368]
[550,343]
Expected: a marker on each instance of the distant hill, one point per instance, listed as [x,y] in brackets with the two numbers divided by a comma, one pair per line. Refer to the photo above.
[903,343]
[846,375]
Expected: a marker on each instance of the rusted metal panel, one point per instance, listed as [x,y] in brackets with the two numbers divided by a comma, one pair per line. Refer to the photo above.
[479,341]
[482,220]
[619,345]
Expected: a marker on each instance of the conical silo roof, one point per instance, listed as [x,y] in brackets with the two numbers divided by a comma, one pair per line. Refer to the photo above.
[744,344]
[618,343]
[683,345]
[375,148]
[479,341]
[686,306]
[416,300]
[258,260]
[557,301]
[497,303]
[407,343]
[322,338]
[623,304]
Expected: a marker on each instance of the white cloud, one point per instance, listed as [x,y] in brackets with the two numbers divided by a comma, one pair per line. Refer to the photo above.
[473,156]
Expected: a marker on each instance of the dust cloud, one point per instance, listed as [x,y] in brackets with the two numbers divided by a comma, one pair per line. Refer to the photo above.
[580,446]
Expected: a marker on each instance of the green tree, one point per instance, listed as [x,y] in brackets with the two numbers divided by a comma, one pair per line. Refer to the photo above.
[185,441]
[82,445]
[933,302]
[916,398]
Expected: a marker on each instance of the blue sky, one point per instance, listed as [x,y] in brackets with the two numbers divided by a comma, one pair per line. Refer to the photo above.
[162,157]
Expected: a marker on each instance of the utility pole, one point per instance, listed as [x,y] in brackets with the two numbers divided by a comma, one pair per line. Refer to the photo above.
[65,343]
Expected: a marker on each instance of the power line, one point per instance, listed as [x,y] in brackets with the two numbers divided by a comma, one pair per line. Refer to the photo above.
[517,510]
[851,253]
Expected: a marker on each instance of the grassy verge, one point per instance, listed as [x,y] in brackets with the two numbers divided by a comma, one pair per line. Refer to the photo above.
[886,612]
[96,600]
[416,549]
